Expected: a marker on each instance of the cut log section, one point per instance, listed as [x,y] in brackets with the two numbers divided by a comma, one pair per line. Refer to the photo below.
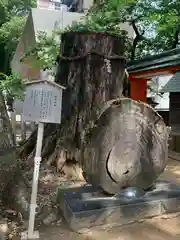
[128,146]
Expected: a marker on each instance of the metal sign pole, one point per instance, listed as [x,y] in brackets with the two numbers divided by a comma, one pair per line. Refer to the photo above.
[37,161]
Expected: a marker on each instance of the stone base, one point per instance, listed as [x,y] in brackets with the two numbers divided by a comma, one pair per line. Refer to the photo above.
[87,206]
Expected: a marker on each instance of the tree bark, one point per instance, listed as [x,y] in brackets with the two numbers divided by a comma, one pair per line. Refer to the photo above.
[83,70]
[13,190]
[89,81]
[138,38]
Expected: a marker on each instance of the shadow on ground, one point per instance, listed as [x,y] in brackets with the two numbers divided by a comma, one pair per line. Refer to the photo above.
[156,229]
[172,172]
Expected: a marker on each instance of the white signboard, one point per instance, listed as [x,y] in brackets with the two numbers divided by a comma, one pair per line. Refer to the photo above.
[43,102]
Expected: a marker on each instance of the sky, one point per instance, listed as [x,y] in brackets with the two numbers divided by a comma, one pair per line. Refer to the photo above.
[163,101]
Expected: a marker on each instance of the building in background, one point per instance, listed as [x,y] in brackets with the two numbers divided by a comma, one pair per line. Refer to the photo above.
[39,20]
[80,5]
[70,5]
[159,101]
[51,4]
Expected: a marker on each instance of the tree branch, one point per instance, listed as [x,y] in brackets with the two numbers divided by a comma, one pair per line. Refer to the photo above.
[176,37]
[133,23]
[139,37]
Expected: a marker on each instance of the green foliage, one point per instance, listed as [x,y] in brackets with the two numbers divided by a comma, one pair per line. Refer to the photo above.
[9,8]
[10,32]
[161,27]
[45,51]
[12,85]
[105,17]
[12,18]
[167,17]
[155,22]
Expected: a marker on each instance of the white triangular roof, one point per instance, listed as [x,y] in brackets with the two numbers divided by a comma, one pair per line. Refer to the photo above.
[39,20]
[173,85]
[46,82]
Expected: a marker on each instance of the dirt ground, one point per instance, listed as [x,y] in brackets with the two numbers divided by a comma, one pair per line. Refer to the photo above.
[159,228]
[155,229]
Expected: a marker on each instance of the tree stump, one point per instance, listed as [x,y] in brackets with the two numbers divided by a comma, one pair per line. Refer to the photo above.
[91,67]
[128,146]
[121,142]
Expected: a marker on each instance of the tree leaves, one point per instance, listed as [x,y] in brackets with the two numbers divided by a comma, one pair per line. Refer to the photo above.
[12,85]
[155,23]
[10,32]
[166,20]
[45,51]
[12,19]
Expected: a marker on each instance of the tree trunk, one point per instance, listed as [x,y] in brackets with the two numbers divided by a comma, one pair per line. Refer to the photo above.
[13,190]
[92,67]
[83,69]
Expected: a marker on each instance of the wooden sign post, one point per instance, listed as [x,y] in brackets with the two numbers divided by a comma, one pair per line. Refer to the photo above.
[42,104]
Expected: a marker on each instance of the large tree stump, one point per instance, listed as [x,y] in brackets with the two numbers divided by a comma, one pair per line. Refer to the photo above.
[83,69]
[119,141]
[92,67]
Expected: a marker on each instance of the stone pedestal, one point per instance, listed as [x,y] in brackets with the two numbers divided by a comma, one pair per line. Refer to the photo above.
[87,207]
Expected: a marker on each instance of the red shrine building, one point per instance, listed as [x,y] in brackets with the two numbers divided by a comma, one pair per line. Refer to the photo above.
[143,70]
